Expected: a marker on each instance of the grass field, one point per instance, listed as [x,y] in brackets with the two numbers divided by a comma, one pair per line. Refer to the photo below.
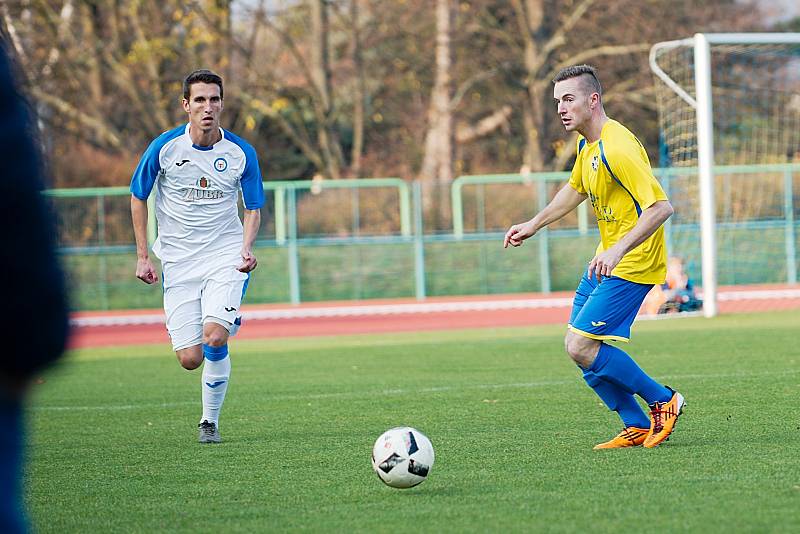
[113,436]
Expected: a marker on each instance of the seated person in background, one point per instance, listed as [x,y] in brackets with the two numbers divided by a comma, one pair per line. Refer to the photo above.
[678,289]
[675,295]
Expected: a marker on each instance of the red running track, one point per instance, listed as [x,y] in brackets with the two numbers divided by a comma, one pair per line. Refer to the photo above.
[134,334]
[98,336]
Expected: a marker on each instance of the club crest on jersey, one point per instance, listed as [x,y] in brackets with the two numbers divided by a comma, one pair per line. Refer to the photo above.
[220,164]
[595,163]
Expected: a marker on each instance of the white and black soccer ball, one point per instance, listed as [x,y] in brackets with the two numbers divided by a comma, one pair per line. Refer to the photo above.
[402,457]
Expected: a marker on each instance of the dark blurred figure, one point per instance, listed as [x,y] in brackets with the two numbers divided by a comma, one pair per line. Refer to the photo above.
[34,308]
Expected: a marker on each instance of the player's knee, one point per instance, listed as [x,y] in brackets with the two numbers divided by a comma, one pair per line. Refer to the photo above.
[215,337]
[572,345]
[214,334]
[580,349]
[189,359]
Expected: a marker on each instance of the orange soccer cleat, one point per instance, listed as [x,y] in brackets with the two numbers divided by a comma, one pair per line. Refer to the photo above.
[629,437]
[663,416]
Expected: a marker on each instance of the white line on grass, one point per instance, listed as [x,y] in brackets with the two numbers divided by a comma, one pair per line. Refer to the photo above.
[401,391]
[109,407]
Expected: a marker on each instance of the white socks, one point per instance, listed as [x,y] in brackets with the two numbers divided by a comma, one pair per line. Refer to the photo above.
[214,385]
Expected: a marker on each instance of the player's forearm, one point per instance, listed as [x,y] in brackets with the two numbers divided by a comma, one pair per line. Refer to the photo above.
[251,224]
[651,219]
[566,200]
[139,217]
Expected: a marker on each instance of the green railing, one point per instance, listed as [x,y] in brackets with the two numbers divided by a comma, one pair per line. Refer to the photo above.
[396,245]
[457,201]
[666,177]
[285,219]
[282,189]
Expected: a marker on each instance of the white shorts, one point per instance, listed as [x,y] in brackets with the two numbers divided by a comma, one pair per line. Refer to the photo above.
[200,291]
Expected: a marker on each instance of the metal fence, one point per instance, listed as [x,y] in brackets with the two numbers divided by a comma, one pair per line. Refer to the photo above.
[384,237]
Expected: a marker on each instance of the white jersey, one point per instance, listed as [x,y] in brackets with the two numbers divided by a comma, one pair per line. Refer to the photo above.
[197,190]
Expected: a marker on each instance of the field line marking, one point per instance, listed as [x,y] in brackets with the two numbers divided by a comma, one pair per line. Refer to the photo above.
[109,407]
[401,391]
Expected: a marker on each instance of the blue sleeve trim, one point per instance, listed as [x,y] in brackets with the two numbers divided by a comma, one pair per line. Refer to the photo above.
[605,162]
[149,166]
[581,144]
[251,181]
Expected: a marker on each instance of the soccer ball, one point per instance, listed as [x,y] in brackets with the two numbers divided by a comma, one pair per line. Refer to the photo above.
[402,457]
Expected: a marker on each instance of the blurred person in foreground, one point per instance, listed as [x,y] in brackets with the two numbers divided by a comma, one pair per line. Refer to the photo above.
[34,301]
[613,171]
[197,171]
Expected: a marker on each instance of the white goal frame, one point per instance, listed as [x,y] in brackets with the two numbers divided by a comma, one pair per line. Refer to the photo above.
[703,106]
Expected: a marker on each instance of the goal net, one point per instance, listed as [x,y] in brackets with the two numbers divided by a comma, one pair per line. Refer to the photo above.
[729,115]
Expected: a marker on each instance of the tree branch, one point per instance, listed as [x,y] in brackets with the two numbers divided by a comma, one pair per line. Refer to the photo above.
[609,50]
[151,67]
[65,17]
[103,133]
[14,35]
[298,57]
[305,147]
[466,133]
[470,82]
[558,37]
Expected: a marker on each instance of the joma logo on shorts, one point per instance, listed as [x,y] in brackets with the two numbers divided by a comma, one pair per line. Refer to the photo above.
[190,195]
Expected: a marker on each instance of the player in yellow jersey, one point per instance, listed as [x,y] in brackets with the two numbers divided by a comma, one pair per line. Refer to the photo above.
[611,170]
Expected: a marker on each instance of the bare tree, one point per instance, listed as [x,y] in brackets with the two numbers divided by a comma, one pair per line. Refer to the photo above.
[105,76]
[321,74]
[437,164]
[544,40]
[360,91]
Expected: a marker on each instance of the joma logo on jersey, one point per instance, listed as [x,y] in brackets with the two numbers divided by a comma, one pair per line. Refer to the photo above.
[190,194]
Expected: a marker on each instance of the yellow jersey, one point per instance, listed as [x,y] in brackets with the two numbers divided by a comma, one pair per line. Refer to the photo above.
[615,173]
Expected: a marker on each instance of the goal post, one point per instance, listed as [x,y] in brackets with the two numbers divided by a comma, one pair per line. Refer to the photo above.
[754,79]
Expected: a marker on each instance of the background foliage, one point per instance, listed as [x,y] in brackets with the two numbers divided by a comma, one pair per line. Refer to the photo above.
[342,87]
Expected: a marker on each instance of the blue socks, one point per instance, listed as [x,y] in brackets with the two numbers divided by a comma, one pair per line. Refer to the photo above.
[615,366]
[618,400]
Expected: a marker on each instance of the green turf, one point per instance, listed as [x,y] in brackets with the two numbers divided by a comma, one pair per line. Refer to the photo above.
[113,436]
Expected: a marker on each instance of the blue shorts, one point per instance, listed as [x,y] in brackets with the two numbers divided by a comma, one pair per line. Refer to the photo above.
[606,311]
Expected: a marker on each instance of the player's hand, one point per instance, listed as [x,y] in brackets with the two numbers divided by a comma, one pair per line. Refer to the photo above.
[145,271]
[249,262]
[518,233]
[602,264]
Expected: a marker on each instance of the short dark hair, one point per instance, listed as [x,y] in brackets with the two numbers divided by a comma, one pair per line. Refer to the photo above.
[201,76]
[591,81]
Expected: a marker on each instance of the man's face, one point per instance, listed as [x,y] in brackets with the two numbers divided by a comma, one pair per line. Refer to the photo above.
[574,102]
[204,106]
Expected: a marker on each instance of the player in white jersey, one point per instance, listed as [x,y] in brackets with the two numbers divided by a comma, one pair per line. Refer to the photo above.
[197,171]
